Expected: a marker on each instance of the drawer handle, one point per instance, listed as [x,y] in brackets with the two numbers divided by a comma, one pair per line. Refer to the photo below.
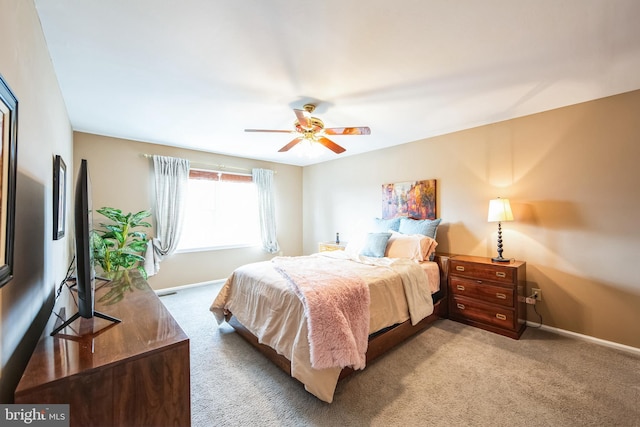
[460,287]
[460,306]
[501,274]
[501,296]
[460,267]
[501,316]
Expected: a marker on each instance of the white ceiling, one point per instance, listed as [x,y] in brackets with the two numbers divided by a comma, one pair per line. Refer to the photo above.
[196,73]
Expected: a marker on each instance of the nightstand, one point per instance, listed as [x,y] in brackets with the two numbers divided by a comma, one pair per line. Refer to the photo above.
[487,294]
[331,246]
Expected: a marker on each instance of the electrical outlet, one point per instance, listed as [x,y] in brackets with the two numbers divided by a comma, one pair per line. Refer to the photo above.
[537,292]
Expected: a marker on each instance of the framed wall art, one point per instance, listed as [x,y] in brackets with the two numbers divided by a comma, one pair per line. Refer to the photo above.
[413,199]
[59,197]
[8,160]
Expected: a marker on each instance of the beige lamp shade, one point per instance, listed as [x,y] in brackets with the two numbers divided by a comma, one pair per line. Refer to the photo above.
[500,210]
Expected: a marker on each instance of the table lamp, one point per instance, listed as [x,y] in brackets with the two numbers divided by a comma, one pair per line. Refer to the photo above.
[499,211]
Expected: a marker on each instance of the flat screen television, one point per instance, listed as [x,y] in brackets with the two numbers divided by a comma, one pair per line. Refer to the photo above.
[85,272]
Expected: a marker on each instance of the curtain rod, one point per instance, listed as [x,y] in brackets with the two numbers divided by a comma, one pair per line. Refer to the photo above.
[212,165]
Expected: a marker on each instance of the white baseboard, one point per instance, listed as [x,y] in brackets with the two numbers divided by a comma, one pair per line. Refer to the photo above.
[165,291]
[583,337]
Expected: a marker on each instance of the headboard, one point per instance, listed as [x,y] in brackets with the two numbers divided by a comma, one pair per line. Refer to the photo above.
[413,199]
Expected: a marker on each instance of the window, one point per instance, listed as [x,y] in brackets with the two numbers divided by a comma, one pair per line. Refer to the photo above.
[221,211]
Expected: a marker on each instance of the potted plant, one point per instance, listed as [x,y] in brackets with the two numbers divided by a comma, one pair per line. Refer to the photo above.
[119,245]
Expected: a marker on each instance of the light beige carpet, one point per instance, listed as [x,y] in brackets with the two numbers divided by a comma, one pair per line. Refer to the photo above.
[449,375]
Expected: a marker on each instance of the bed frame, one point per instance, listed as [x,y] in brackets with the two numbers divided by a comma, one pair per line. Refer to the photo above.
[380,342]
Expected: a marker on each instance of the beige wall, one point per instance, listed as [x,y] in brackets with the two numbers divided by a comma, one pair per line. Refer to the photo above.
[43,131]
[572,177]
[122,178]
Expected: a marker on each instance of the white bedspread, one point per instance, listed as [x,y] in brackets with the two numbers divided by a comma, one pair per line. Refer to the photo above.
[264,302]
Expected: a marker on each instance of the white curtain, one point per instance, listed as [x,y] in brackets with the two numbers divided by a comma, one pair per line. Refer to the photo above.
[263,178]
[171,178]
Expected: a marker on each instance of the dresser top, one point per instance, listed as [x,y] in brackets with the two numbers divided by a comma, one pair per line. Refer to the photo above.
[485,260]
[87,344]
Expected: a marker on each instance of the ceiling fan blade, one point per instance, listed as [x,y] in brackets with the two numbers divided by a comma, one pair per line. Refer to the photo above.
[303,118]
[364,130]
[268,130]
[331,145]
[290,145]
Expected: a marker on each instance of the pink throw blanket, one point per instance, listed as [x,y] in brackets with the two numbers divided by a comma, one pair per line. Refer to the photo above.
[336,305]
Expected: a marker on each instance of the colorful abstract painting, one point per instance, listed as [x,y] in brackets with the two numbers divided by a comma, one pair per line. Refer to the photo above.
[415,199]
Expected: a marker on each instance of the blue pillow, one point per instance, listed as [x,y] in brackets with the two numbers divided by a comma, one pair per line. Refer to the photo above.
[381,225]
[426,227]
[375,245]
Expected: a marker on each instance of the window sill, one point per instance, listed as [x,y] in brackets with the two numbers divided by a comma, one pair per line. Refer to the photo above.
[216,248]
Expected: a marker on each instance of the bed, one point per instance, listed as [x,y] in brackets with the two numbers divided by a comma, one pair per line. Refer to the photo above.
[322,316]
[260,302]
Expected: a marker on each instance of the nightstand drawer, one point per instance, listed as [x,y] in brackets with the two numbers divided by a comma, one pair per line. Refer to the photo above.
[482,291]
[485,313]
[493,272]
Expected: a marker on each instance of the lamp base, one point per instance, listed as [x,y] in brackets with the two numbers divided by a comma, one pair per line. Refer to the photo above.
[500,259]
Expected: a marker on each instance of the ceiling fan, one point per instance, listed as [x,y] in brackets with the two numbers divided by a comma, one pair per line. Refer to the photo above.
[312,129]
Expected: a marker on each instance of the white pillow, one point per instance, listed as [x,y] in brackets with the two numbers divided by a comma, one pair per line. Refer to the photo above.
[355,245]
[417,247]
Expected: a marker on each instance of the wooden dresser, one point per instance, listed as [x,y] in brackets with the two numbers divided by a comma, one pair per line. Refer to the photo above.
[487,294]
[133,373]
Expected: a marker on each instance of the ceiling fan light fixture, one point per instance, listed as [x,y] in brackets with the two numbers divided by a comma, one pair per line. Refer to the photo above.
[312,129]
[308,148]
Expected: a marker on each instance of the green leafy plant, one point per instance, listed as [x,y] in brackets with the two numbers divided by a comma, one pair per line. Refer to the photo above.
[117,245]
